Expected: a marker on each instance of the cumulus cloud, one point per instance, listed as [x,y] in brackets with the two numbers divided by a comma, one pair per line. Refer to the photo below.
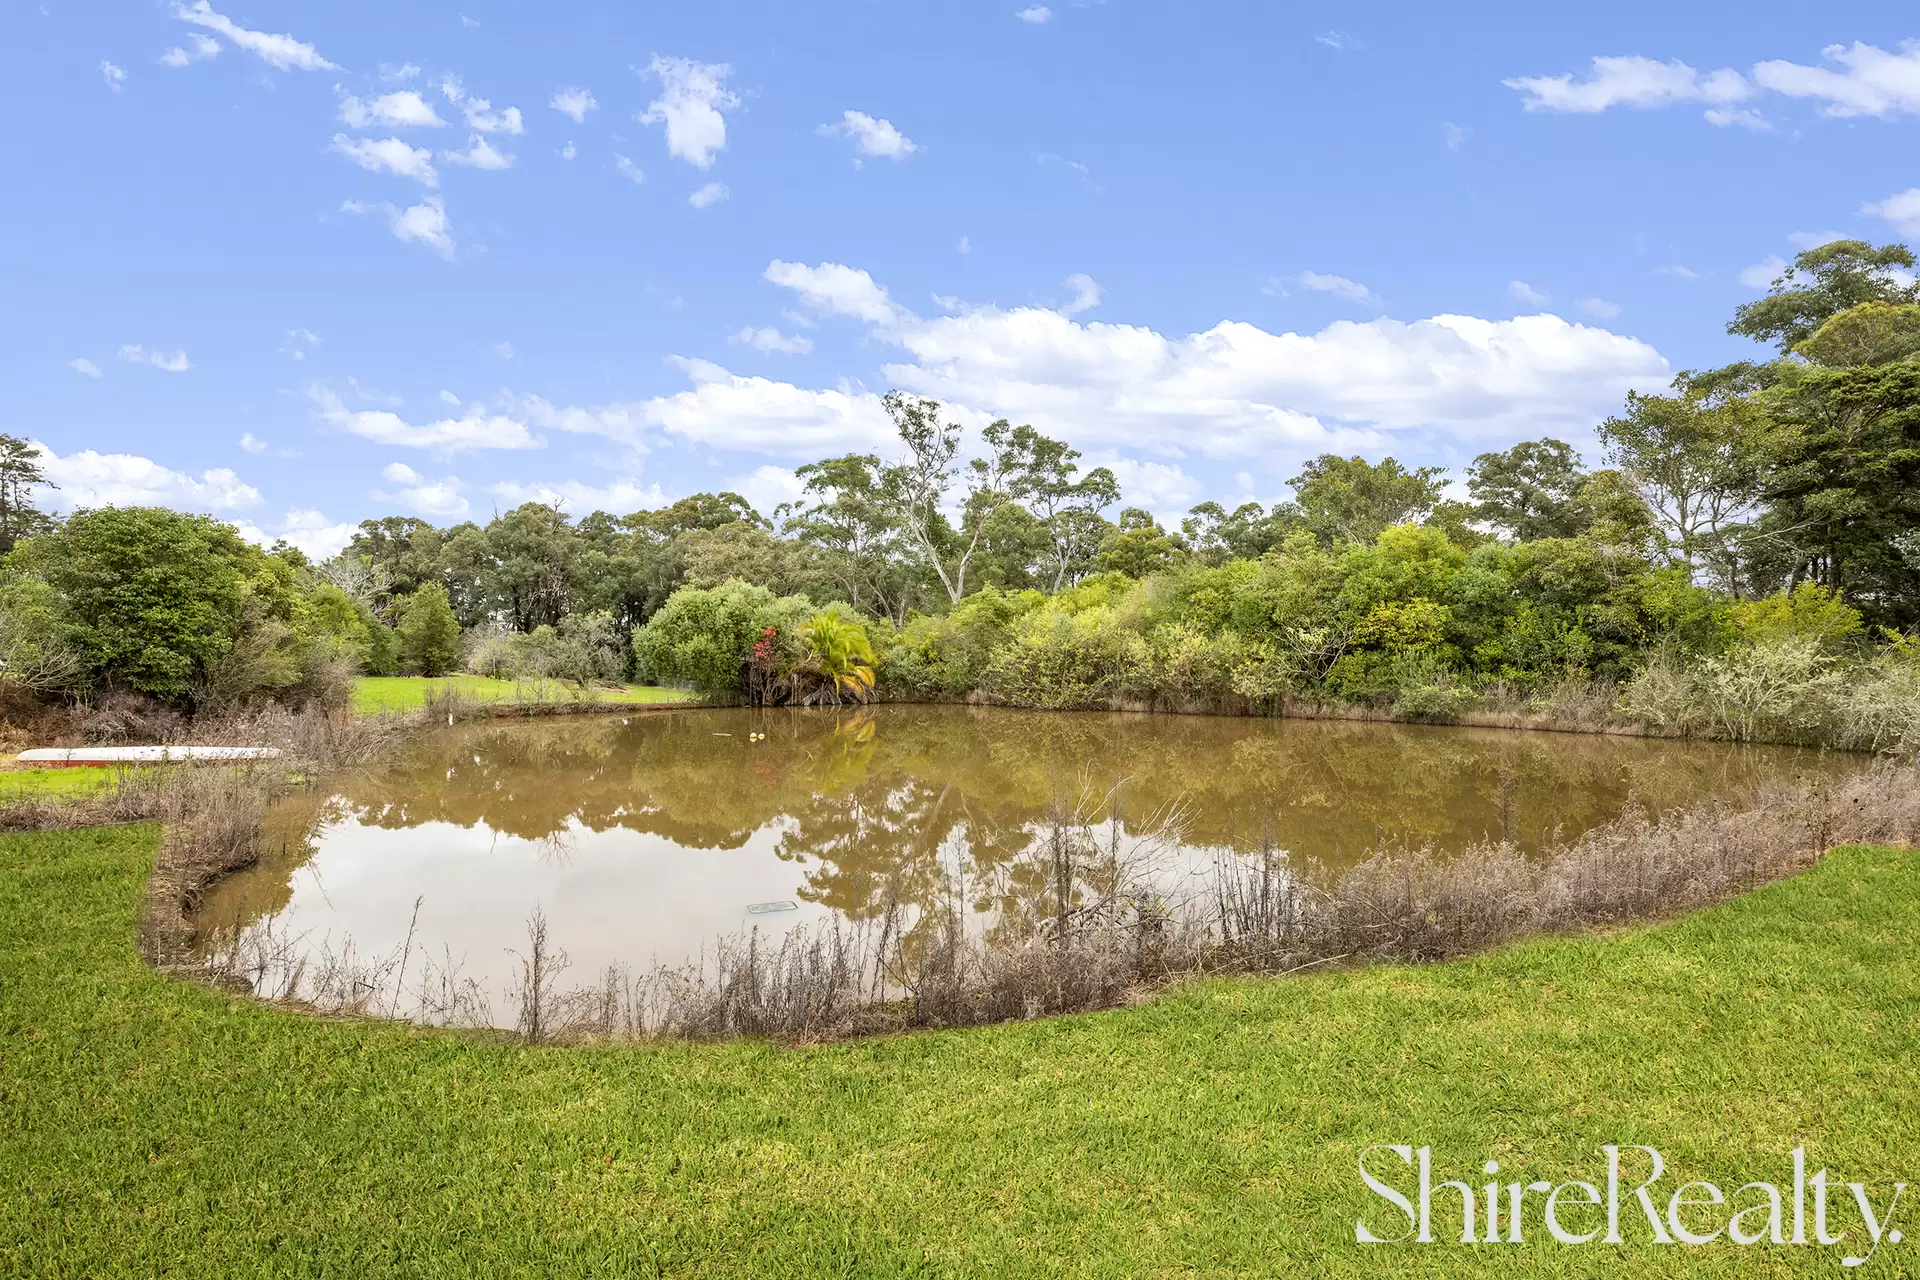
[619,496]
[478,112]
[692,97]
[168,361]
[724,410]
[1902,210]
[628,169]
[281,51]
[871,137]
[1631,82]
[299,342]
[480,154]
[1763,273]
[252,444]
[1340,287]
[1599,307]
[1036,14]
[424,223]
[84,367]
[767,488]
[574,103]
[116,77]
[1522,292]
[390,155]
[441,499]
[711,194]
[474,430]
[1858,80]
[308,530]
[773,342]
[1086,293]
[197,49]
[91,479]
[402,109]
[837,290]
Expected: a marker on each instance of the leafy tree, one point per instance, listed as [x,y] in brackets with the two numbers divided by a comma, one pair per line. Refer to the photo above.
[1529,491]
[854,522]
[700,511]
[1353,500]
[1843,481]
[401,553]
[20,473]
[428,632]
[1695,459]
[1871,333]
[1045,479]
[531,570]
[1139,546]
[1822,283]
[705,638]
[149,598]
[837,653]
[930,477]
[1216,536]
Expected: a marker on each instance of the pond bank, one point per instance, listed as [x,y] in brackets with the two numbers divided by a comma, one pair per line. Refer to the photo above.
[150,1126]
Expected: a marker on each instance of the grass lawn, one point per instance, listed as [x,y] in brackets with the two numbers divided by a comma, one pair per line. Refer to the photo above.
[151,1126]
[373,695]
[55,784]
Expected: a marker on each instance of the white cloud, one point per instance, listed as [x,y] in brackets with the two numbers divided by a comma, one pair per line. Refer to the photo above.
[202,48]
[620,496]
[871,137]
[1902,210]
[253,444]
[1037,14]
[308,530]
[1339,286]
[772,342]
[90,479]
[504,350]
[1521,291]
[1086,294]
[1862,80]
[400,74]
[299,342]
[442,498]
[447,397]
[389,154]
[1337,40]
[1233,390]
[478,112]
[693,96]
[402,109]
[116,77]
[1631,82]
[1599,307]
[281,51]
[965,245]
[1676,271]
[1456,135]
[169,361]
[569,151]
[425,222]
[400,473]
[1763,273]
[480,154]
[1814,239]
[1745,117]
[767,488]
[574,103]
[474,430]
[711,194]
[628,169]
[85,367]
[1163,488]
[837,290]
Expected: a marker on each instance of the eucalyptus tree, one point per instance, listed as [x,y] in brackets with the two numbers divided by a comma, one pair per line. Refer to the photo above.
[21,472]
[1823,282]
[1529,491]
[1353,500]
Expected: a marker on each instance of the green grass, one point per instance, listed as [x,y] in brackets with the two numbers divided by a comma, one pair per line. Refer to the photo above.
[55,784]
[152,1126]
[376,695]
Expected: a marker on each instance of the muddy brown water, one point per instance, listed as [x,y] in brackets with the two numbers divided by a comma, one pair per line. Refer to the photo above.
[645,839]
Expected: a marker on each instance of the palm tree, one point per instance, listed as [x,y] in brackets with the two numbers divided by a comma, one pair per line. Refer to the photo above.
[840,655]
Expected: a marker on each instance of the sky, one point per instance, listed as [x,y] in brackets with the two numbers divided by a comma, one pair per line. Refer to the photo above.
[299,265]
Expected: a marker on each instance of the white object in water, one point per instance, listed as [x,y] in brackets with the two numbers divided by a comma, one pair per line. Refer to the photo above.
[141,755]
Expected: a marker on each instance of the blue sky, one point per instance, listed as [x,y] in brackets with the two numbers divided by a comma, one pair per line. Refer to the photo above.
[304,264]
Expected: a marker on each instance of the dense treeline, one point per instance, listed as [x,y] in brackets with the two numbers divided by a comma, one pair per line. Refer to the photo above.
[1753,535]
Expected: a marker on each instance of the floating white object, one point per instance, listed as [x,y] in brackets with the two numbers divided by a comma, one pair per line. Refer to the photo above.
[141,755]
[768,908]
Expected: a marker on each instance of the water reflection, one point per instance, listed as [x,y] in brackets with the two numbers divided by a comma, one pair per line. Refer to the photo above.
[643,839]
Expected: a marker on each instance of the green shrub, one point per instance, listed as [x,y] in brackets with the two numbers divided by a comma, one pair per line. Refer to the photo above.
[428,633]
[703,637]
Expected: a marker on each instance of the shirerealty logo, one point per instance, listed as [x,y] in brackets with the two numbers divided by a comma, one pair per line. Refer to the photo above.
[1635,1206]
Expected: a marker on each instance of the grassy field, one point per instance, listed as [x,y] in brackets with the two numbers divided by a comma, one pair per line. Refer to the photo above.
[55,784]
[374,695]
[151,1126]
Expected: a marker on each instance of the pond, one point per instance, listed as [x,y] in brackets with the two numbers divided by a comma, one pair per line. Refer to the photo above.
[643,840]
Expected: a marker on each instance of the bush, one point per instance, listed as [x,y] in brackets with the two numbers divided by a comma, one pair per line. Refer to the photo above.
[703,637]
[428,634]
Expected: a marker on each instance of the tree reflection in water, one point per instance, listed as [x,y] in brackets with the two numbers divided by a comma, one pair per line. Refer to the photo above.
[947,807]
